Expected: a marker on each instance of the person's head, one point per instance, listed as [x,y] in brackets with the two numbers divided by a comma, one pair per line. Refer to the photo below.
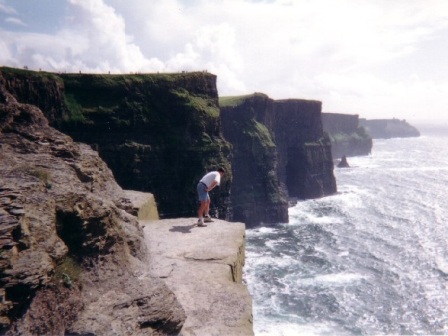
[221,170]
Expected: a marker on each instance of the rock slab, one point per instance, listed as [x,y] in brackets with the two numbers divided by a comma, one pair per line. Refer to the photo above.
[203,267]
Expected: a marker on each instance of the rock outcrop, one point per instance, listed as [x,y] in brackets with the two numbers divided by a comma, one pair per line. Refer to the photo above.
[389,128]
[204,272]
[347,136]
[305,160]
[280,151]
[256,193]
[73,259]
[158,133]
[343,163]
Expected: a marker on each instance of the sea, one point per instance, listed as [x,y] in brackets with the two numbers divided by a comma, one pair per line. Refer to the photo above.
[369,260]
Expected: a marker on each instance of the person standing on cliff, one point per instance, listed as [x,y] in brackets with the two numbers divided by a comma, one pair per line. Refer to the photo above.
[207,183]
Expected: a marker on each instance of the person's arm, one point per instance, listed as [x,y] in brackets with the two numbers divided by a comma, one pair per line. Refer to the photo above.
[214,184]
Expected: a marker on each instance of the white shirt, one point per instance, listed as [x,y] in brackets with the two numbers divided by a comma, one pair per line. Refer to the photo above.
[210,177]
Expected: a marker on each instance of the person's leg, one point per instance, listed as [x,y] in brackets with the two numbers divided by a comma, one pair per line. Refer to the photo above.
[207,218]
[207,209]
[202,208]
[205,201]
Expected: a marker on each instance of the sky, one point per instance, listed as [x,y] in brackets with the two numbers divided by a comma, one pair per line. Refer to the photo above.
[374,58]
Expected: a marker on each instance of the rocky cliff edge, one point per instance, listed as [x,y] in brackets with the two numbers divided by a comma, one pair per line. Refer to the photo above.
[73,259]
[203,267]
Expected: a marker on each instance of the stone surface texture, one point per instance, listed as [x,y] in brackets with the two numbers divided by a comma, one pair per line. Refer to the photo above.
[147,128]
[203,267]
[144,205]
[73,259]
[280,152]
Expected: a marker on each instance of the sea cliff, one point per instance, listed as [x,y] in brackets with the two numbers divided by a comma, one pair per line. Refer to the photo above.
[279,152]
[348,137]
[389,128]
[78,256]
[73,256]
[158,133]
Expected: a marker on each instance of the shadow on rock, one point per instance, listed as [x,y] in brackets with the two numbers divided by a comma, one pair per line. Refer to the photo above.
[183,229]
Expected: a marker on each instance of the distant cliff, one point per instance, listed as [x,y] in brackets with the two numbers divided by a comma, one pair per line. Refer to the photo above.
[256,194]
[157,132]
[280,151]
[389,128]
[347,136]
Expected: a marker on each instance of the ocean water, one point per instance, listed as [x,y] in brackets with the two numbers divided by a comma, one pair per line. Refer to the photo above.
[370,260]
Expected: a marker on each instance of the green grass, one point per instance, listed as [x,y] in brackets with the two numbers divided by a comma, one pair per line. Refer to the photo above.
[42,174]
[199,103]
[68,271]
[263,134]
[232,101]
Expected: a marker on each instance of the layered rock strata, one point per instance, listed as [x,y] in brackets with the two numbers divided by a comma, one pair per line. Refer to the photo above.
[158,133]
[280,151]
[305,160]
[204,272]
[256,193]
[73,259]
[347,136]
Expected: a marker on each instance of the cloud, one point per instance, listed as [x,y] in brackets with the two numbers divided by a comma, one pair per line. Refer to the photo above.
[352,55]
[15,21]
[6,9]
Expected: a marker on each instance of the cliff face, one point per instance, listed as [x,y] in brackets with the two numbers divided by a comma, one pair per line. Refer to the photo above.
[279,151]
[347,136]
[389,128]
[256,194]
[73,260]
[158,133]
[305,160]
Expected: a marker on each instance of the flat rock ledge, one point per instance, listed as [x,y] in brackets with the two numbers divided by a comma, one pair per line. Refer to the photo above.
[144,204]
[203,267]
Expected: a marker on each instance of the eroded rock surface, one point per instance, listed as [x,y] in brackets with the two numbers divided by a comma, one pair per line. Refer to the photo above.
[73,259]
[203,267]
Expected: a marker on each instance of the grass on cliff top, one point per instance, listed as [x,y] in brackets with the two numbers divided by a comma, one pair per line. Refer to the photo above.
[232,101]
[45,76]
[88,96]
[197,102]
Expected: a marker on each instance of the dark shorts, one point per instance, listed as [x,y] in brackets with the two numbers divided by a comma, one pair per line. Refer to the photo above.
[202,193]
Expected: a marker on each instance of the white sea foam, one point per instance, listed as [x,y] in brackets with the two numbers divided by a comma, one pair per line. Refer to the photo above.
[280,328]
[371,259]
[335,279]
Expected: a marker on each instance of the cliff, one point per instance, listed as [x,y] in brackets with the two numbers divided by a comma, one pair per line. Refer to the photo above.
[346,135]
[305,160]
[280,151]
[157,132]
[73,257]
[389,128]
[256,194]
[75,260]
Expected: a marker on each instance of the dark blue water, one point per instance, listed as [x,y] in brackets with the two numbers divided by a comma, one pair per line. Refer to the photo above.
[371,260]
